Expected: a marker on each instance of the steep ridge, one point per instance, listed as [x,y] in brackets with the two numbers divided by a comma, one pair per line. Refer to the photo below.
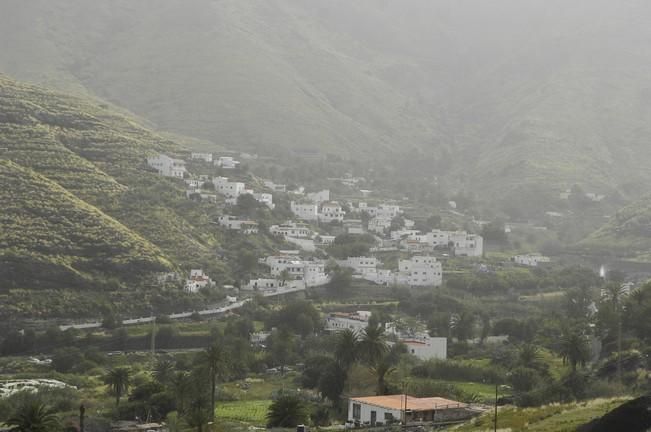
[76,171]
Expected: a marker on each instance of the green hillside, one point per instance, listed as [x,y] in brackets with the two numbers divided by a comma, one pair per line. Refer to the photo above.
[81,211]
[50,238]
[549,418]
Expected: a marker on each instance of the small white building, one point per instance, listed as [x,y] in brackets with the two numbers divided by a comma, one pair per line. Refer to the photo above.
[365,266]
[226,162]
[206,157]
[198,279]
[314,274]
[331,212]
[388,211]
[325,240]
[531,260]
[467,245]
[262,284]
[167,166]
[264,198]
[426,348]
[259,338]
[338,321]
[227,188]
[292,264]
[420,271]
[232,223]
[194,183]
[291,229]
[305,211]
[379,224]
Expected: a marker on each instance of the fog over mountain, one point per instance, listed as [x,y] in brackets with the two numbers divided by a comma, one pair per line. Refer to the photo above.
[300,215]
[520,92]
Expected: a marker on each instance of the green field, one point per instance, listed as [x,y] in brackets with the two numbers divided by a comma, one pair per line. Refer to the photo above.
[252,412]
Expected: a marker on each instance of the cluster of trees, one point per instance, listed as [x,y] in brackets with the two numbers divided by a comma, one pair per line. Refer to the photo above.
[329,373]
[351,245]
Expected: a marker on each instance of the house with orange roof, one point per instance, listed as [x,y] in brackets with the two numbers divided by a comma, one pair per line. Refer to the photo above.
[375,411]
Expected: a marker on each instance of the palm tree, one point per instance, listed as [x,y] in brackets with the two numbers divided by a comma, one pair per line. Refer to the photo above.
[118,380]
[33,416]
[215,360]
[182,386]
[373,344]
[385,366]
[287,411]
[574,349]
[346,349]
[614,294]
[164,371]
[197,414]
[463,325]
[528,355]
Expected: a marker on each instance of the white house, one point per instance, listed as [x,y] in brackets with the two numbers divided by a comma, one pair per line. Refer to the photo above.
[226,162]
[468,245]
[461,242]
[263,284]
[421,271]
[305,211]
[206,157]
[365,266]
[379,224]
[194,183]
[338,321]
[228,188]
[291,229]
[426,348]
[319,197]
[314,274]
[530,260]
[264,198]
[198,279]
[292,264]
[232,223]
[296,269]
[167,166]
[387,211]
[325,240]
[330,212]
[382,410]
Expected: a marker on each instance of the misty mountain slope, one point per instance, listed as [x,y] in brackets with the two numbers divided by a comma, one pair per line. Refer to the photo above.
[86,164]
[523,94]
[626,234]
[242,74]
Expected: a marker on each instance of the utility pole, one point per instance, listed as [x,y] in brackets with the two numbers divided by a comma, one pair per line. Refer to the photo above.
[153,335]
[495,419]
[82,415]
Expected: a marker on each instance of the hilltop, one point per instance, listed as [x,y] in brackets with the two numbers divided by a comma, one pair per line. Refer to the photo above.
[521,103]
